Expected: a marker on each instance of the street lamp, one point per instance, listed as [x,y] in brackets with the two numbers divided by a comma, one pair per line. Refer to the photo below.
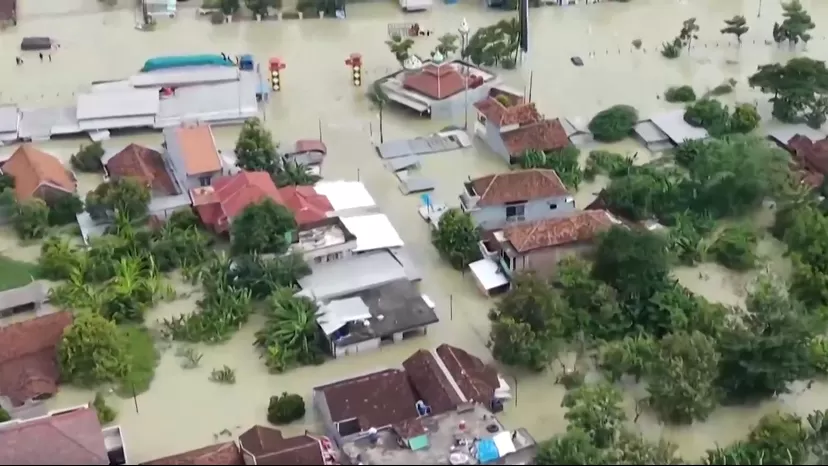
[464,35]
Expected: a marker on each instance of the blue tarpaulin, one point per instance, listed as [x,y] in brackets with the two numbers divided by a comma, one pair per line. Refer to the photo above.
[487,451]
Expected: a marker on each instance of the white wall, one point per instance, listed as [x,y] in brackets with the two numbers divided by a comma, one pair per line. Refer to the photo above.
[360,347]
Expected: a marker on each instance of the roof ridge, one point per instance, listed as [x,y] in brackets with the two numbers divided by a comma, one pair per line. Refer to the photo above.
[76,412]
[27,151]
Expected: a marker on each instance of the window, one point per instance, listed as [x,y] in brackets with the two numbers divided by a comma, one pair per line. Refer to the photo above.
[317,260]
[205,180]
[516,210]
[553,206]
[332,257]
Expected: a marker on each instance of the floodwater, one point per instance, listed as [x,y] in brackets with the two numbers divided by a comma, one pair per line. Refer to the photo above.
[183,410]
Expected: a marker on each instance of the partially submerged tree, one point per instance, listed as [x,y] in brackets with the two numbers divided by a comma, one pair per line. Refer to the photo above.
[229,7]
[494,45]
[264,227]
[92,351]
[736,26]
[799,88]
[261,7]
[255,149]
[129,196]
[30,218]
[64,209]
[680,94]
[400,46]
[88,158]
[689,32]
[795,26]
[456,238]
[291,336]
[614,123]
[564,161]
[447,44]
[285,408]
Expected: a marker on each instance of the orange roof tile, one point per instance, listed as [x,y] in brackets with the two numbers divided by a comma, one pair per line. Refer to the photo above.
[435,82]
[31,167]
[543,135]
[72,437]
[581,226]
[518,185]
[307,206]
[198,149]
[143,163]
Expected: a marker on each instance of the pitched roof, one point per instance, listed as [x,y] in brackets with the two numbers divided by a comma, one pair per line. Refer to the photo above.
[518,185]
[477,380]
[430,382]
[72,437]
[229,195]
[31,167]
[310,145]
[435,82]
[813,154]
[28,362]
[226,453]
[544,136]
[376,400]
[306,204]
[143,163]
[520,113]
[581,226]
[197,149]
[269,447]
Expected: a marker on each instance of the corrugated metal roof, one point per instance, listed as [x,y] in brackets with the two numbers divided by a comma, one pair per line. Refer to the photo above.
[649,132]
[673,125]
[352,275]
[137,121]
[185,76]
[114,104]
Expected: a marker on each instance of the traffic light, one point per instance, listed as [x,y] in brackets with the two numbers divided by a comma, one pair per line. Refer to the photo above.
[276,66]
[355,62]
[274,80]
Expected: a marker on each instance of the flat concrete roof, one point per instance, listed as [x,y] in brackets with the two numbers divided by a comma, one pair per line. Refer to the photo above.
[673,125]
[115,104]
[352,275]
[649,132]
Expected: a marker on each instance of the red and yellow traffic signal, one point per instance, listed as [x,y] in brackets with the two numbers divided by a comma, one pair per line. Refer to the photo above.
[276,66]
[355,62]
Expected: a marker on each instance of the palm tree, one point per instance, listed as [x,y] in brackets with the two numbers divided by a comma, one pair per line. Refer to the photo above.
[291,328]
[131,291]
[294,174]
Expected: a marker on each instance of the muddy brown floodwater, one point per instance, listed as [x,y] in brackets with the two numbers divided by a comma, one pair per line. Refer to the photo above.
[183,410]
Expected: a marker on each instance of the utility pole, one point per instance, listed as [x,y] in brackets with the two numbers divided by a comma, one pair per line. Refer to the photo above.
[464,35]
[759,10]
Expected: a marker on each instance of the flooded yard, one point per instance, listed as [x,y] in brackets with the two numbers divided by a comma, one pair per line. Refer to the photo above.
[184,410]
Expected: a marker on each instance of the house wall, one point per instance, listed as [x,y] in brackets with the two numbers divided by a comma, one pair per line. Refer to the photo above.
[490,134]
[454,107]
[176,162]
[320,405]
[345,250]
[493,217]
[545,261]
[361,347]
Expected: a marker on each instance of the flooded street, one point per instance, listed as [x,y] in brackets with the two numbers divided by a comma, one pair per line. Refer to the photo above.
[183,410]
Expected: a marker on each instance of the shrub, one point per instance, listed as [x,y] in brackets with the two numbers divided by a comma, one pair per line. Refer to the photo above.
[31,218]
[680,94]
[64,210]
[88,158]
[709,114]
[745,118]
[722,89]
[637,43]
[286,408]
[671,49]
[735,248]
[4,415]
[217,17]
[614,123]
[106,414]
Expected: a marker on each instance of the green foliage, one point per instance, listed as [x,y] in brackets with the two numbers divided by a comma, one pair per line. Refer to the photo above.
[495,44]
[689,31]
[563,161]
[672,49]
[88,158]
[799,89]
[722,89]
[93,351]
[456,238]
[795,26]
[736,26]
[261,7]
[129,196]
[608,163]
[106,413]
[294,174]
[401,47]
[709,114]
[614,123]
[291,336]
[634,262]
[6,182]
[183,220]
[264,228]
[226,375]
[4,415]
[596,410]
[229,7]
[735,247]
[447,44]
[285,408]
[745,118]
[680,94]
[255,149]
[14,273]
[192,358]
[526,324]
[64,209]
[30,218]
[143,359]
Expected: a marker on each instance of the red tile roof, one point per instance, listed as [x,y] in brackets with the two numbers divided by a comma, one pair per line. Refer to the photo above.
[226,453]
[517,186]
[31,167]
[476,380]
[232,194]
[28,361]
[376,400]
[307,206]
[269,447]
[310,145]
[73,437]
[8,9]
[558,231]
[430,382]
[197,149]
[500,115]
[142,163]
[435,82]
[544,136]
[812,155]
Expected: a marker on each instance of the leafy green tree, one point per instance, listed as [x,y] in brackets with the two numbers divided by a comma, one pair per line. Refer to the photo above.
[286,408]
[64,209]
[736,26]
[672,49]
[574,447]
[596,410]
[4,415]
[106,414]
[681,378]
[92,351]
[608,163]
[128,196]
[447,44]
[630,355]
[456,238]
[291,335]
[709,114]
[517,344]
[634,262]
[735,247]
[58,258]
[680,94]
[264,227]
[689,31]
[294,174]
[633,449]
[255,149]
[31,218]
[745,118]
[564,161]
[262,276]
[261,7]
[494,45]
[614,123]
[400,46]
[88,158]
[799,88]
[6,182]
[229,7]
[795,26]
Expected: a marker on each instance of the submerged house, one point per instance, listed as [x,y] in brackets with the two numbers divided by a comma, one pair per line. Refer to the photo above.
[38,174]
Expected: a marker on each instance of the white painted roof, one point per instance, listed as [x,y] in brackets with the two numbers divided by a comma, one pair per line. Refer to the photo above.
[673,125]
[346,195]
[372,232]
[504,444]
[114,104]
[339,312]
[488,274]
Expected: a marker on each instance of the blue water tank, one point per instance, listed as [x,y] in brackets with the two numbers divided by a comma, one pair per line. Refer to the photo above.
[246,62]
